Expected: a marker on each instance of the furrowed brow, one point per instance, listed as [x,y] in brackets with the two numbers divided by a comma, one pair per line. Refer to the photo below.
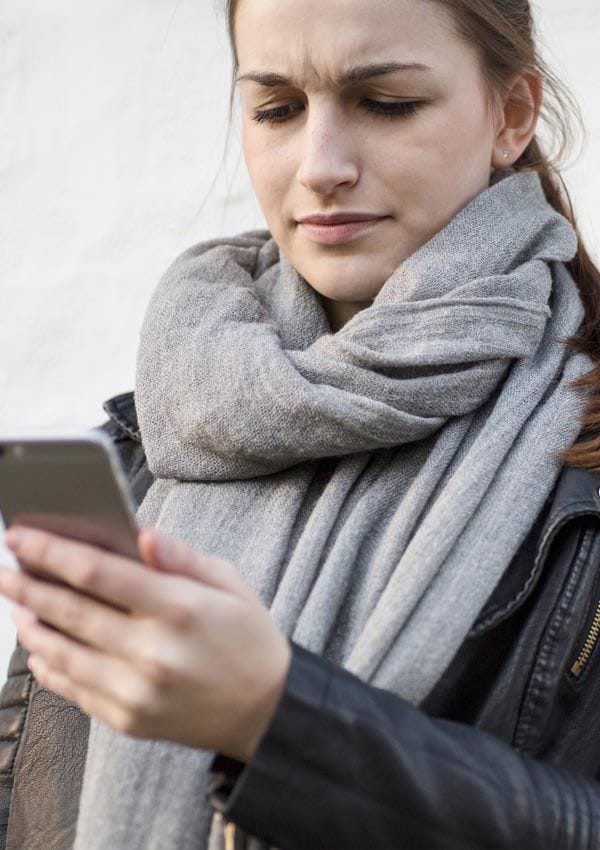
[268,80]
[358,74]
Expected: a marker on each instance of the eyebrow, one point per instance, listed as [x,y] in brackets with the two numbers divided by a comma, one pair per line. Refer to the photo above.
[357,74]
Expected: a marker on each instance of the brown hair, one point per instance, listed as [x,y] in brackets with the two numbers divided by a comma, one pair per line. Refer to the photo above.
[504,33]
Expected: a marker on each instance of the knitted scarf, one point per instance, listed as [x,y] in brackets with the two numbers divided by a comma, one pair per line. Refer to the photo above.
[371,484]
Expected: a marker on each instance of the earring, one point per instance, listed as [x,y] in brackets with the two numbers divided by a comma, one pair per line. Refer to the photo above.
[505,154]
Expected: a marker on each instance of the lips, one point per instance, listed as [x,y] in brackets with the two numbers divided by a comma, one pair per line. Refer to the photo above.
[338,228]
[338,218]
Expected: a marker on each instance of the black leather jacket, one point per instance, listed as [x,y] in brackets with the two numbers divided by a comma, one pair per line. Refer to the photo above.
[505,752]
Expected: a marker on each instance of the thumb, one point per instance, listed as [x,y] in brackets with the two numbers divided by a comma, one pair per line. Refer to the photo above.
[169,555]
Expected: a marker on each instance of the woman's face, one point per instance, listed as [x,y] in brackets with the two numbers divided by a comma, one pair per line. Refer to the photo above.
[357,162]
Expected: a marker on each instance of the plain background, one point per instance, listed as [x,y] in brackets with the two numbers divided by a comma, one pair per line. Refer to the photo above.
[114,117]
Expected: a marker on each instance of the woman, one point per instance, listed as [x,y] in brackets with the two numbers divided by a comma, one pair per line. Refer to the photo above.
[361,430]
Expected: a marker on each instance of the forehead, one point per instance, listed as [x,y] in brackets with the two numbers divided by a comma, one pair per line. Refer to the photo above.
[322,38]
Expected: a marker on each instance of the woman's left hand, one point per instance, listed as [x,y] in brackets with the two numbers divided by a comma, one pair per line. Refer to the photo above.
[175,646]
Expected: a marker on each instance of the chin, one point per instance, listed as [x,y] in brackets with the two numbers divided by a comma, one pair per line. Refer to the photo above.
[343,278]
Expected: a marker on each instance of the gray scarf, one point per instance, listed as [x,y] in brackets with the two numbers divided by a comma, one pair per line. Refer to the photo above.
[372,484]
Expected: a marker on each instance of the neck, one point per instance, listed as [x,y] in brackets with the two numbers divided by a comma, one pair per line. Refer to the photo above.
[340,312]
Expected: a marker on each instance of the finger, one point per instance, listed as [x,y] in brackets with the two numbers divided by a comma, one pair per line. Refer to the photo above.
[88,700]
[85,669]
[125,583]
[83,618]
[81,664]
[22,616]
[171,555]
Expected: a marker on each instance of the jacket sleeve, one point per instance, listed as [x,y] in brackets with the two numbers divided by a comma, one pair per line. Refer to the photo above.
[345,765]
[14,701]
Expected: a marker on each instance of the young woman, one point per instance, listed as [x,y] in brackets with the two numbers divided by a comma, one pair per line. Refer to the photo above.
[368,574]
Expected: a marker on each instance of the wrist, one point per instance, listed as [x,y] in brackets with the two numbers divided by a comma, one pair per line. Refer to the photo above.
[264,707]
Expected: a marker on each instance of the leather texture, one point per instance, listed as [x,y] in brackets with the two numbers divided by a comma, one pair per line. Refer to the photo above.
[505,752]
[347,766]
[48,774]
[14,701]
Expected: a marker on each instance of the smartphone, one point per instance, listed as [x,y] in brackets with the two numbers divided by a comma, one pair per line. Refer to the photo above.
[71,485]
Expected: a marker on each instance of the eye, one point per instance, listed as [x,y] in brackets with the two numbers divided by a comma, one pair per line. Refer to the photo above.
[384,108]
[393,108]
[277,114]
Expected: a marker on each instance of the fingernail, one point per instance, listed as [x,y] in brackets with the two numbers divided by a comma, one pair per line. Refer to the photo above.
[13,539]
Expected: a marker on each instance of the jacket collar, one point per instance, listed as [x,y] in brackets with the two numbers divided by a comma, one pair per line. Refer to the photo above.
[575,495]
[577,492]
[121,409]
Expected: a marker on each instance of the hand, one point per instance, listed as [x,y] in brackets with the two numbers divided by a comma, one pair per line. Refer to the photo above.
[175,646]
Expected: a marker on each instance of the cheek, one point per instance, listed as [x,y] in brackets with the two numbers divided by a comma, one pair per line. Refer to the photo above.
[270,172]
[445,165]
[465,138]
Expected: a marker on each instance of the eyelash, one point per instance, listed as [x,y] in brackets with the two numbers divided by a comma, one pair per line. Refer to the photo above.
[381,108]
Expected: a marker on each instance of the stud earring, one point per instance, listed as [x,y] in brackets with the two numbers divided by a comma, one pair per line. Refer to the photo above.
[505,154]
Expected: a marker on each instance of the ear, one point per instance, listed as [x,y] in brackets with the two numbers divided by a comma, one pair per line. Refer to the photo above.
[517,118]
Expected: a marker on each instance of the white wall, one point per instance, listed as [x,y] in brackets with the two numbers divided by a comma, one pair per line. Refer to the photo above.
[113,116]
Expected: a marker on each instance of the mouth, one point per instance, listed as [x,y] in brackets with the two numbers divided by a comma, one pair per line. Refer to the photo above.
[338,228]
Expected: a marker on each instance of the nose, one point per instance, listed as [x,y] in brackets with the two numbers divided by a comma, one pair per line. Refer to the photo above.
[328,159]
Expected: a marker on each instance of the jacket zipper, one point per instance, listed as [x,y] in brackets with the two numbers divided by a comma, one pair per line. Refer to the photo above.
[591,640]
[230,830]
